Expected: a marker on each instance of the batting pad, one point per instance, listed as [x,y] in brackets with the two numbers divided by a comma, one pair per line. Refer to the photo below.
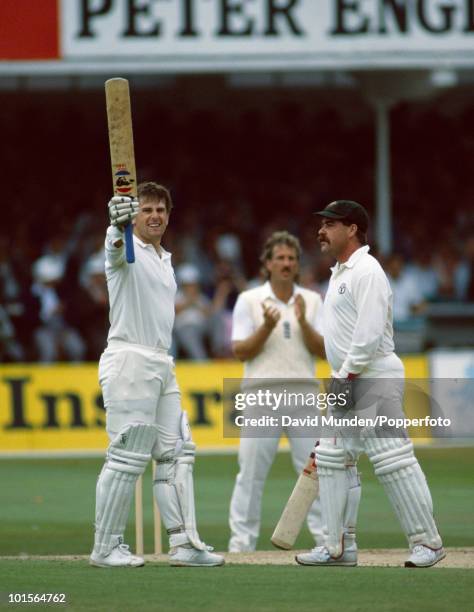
[352,504]
[174,491]
[330,462]
[127,458]
[130,451]
[398,470]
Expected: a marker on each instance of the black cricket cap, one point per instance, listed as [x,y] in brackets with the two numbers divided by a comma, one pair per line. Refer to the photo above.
[348,211]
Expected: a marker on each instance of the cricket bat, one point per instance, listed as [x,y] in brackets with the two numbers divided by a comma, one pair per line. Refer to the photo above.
[122,157]
[297,507]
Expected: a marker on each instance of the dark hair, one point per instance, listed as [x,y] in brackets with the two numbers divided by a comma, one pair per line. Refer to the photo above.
[275,239]
[360,235]
[155,192]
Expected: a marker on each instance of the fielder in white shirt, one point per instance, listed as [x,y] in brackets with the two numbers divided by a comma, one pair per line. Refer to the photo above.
[358,337]
[141,396]
[274,333]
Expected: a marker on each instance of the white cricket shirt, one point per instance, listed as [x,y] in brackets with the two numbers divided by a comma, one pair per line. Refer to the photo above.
[357,314]
[284,354]
[141,294]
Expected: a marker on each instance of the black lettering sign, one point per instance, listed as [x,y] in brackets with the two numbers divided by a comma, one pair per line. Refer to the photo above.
[398,9]
[228,9]
[446,21]
[90,10]
[275,11]
[51,402]
[469,16]
[17,390]
[348,18]
[99,402]
[188,28]
[133,10]
[341,27]
[200,401]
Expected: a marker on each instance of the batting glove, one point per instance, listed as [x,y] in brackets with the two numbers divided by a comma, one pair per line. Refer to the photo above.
[343,389]
[122,210]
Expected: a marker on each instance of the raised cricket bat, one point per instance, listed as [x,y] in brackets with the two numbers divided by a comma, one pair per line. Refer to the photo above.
[122,157]
[297,507]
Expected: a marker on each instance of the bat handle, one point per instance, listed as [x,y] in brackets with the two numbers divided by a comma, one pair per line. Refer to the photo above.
[129,250]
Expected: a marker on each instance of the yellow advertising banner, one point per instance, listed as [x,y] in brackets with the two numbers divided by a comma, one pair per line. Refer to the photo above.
[59,408]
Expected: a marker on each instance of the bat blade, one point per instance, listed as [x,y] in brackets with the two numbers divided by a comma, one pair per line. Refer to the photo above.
[122,155]
[297,507]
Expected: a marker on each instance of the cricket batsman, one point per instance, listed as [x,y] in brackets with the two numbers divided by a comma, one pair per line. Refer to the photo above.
[358,338]
[144,418]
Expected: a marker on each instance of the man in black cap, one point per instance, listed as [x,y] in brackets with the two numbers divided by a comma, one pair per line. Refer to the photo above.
[358,338]
[348,213]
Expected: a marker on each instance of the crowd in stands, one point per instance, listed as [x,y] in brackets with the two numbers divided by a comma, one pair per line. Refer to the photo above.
[61,313]
[236,175]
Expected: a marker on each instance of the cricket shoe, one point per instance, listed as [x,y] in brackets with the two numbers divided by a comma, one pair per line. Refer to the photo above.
[422,556]
[320,556]
[120,556]
[187,556]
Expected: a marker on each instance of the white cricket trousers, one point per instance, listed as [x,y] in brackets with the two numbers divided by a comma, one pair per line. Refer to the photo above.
[139,384]
[256,456]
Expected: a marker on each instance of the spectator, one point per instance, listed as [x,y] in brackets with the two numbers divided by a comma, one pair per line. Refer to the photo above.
[54,338]
[228,282]
[452,274]
[424,274]
[233,199]
[407,297]
[11,309]
[92,305]
[10,348]
[228,248]
[193,310]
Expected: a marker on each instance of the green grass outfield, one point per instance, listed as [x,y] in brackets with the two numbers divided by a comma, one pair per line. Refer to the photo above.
[241,588]
[47,509]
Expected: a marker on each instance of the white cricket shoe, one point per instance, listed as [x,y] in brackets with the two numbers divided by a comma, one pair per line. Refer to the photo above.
[187,556]
[320,556]
[119,557]
[422,556]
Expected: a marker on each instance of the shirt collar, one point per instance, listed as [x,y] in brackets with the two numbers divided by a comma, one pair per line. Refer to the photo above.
[164,254]
[353,259]
[268,292]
